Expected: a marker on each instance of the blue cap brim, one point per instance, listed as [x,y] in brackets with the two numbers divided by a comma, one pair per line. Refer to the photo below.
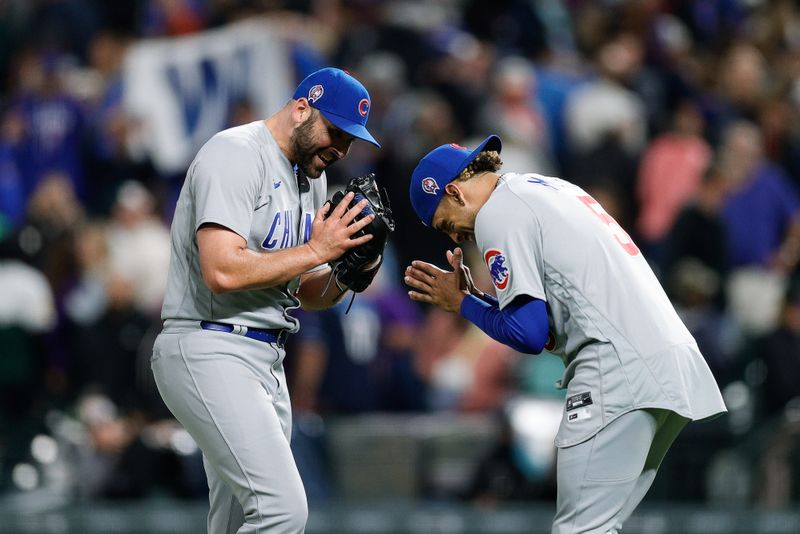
[490,143]
[354,129]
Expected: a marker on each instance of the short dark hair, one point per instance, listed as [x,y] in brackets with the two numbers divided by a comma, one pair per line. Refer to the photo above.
[487,161]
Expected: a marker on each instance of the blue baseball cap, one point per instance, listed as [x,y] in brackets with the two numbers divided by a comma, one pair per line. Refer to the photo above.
[437,169]
[340,98]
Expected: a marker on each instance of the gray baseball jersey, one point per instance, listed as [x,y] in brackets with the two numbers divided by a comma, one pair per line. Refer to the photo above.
[623,345]
[241,180]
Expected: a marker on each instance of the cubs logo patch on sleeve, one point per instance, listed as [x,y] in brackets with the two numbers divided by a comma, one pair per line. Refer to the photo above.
[496,262]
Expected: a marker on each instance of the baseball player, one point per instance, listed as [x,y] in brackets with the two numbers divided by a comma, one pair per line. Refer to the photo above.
[571,281]
[251,238]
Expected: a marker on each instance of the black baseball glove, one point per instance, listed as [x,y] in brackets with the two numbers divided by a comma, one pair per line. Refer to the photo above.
[357,267]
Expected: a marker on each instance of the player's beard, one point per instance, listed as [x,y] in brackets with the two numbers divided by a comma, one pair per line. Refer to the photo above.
[305,148]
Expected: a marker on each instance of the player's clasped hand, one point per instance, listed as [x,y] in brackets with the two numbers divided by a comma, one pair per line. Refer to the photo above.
[445,289]
[331,234]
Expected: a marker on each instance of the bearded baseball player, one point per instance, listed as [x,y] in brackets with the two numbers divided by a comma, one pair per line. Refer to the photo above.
[252,238]
[571,281]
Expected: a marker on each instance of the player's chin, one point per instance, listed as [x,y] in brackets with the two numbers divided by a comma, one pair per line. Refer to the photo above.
[315,166]
[313,170]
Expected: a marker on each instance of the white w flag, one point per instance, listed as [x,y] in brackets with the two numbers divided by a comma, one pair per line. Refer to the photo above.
[180,90]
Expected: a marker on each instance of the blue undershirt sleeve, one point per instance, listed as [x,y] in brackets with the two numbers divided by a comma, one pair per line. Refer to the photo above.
[522,325]
[490,299]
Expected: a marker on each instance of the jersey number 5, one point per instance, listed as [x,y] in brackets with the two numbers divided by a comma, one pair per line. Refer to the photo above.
[620,234]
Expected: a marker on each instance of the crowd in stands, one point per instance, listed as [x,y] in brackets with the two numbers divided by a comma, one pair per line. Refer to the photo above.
[681,117]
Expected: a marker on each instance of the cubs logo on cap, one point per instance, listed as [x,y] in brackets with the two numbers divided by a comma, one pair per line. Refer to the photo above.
[430,186]
[315,93]
[363,107]
[496,262]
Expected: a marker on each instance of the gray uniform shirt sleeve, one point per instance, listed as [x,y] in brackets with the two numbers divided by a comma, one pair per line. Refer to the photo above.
[227,178]
[510,240]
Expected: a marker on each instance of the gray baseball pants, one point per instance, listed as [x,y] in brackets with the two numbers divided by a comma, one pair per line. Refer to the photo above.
[229,392]
[603,479]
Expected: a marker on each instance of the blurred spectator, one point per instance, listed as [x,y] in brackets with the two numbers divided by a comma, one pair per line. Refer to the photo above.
[14,24]
[333,358]
[52,122]
[604,107]
[359,361]
[125,457]
[106,349]
[462,74]
[384,76]
[554,84]
[669,174]
[715,22]
[12,190]
[780,395]
[607,126]
[450,355]
[109,162]
[778,121]
[743,82]
[762,224]
[675,69]
[780,352]
[512,113]
[45,240]
[111,303]
[86,299]
[363,28]
[736,90]
[53,215]
[464,369]
[417,121]
[694,289]
[498,478]
[139,247]
[27,310]
[698,233]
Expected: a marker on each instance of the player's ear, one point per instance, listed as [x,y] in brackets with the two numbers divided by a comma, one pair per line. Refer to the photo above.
[455,192]
[301,110]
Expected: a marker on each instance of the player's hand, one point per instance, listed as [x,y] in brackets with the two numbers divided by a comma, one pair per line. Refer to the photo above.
[331,234]
[456,260]
[445,289]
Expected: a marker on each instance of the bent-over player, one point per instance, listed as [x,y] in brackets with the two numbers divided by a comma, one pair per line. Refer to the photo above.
[569,280]
[251,238]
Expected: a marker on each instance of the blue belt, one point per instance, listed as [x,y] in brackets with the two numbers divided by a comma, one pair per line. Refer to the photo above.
[277,335]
